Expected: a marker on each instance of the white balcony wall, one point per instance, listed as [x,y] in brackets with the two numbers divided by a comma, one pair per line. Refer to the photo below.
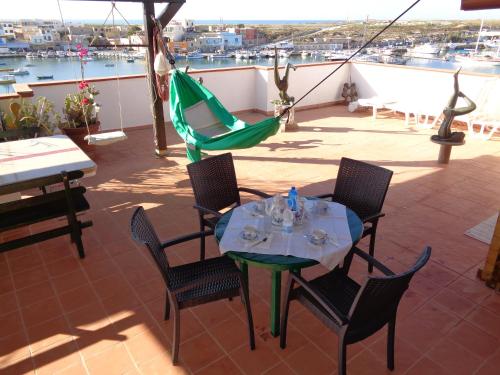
[306,76]
[135,100]
[253,88]
[235,88]
[426,88]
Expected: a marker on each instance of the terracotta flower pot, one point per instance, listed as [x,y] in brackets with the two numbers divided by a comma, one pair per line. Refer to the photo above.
[77,135]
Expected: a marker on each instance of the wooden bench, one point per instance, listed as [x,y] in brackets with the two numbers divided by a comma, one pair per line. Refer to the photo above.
[66,202]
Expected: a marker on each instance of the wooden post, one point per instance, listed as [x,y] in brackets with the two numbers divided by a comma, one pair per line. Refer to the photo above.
[491,271]
[157,104]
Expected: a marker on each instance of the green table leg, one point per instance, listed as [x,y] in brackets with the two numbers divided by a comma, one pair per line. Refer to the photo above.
[275,302]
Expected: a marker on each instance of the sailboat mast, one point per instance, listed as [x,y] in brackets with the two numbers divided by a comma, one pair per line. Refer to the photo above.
[479,36]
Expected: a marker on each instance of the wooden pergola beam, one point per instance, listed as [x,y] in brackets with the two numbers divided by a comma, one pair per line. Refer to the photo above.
[480,4]
[170,11]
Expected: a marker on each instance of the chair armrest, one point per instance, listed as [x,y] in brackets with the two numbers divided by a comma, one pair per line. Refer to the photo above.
[386,271]
[254,192]
[204,210]
[185,238]
[206,280]
[373,218]
[334,312]
[323,196]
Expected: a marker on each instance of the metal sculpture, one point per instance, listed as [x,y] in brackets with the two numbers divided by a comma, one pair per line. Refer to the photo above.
[282,83]
[449,112]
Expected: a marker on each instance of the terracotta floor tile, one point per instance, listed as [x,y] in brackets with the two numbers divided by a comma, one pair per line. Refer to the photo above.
[454,303]
[366,363]
[254,362]
[21,367]
[30,277]
[133,321]
[58,357]
[42,311]
[62,266]
[454,357]
[8,303]
[69,281]
[279,369]
[485,320]
[474,339]
[490,367]
[24,263]
[114,360]
[492,303]
[12,347]
[6,285]
[426,366]
[48,333]
[474,290]
[35,293]
[146,345]
[11,323]
[231,333]
[99,269]
[199,351]
[222,366]
[405,354]
[162,365]
[77,298]
[309,360]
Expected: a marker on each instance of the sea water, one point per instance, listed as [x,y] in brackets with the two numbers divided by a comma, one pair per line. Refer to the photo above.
[69,68]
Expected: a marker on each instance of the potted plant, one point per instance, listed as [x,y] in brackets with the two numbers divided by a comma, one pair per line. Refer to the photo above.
[80,111]
[28,120]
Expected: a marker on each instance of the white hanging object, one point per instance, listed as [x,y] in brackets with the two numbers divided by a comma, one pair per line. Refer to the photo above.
[160,64]
[103,139]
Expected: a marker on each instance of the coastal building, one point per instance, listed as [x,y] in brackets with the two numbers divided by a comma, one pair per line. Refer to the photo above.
[8,29]
[222,40]
[178,30]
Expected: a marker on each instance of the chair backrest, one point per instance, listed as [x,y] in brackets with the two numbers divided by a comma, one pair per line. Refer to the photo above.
[361,186]
[214,182]
[144,233]
[377,300]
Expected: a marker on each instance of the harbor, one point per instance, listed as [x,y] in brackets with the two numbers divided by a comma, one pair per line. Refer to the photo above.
[111,63]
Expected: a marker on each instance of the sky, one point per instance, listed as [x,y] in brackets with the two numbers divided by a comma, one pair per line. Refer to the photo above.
[251,10]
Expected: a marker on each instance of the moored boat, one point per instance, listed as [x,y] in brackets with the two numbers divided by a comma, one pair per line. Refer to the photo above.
[20,72]
[45,77]
[7,79]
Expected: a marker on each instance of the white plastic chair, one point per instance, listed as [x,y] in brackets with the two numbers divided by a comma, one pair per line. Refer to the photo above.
[487,113]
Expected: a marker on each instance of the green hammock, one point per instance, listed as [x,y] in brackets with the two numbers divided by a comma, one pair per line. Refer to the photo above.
[204,124]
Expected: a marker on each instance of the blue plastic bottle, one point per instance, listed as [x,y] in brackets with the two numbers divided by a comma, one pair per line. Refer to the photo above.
[292,199]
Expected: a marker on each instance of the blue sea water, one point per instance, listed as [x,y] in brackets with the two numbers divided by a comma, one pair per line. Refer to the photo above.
[69,68]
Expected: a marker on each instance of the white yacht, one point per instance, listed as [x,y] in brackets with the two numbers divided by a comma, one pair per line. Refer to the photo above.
[283,54]
[60,54]
[480,59]
[195,55]
[427,49]
[242,55]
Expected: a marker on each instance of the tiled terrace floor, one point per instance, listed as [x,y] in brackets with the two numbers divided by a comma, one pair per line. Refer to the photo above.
[103,314]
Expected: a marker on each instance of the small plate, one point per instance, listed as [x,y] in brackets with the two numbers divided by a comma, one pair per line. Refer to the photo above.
[249,234]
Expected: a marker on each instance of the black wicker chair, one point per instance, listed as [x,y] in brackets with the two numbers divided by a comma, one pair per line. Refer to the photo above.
[215,187]
[191,284]
[362,187]
[353,311]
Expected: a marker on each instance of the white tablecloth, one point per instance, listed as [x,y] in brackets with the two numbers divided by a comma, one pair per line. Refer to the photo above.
[334,222]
